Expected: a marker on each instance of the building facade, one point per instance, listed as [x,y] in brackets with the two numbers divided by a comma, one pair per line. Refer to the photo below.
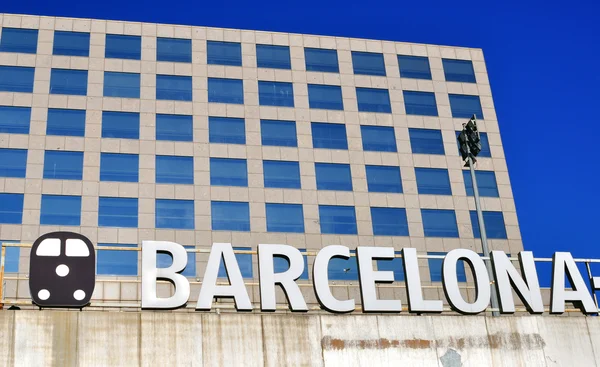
[127,131]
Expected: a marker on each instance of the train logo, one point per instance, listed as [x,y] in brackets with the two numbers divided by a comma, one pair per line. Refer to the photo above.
[62,270]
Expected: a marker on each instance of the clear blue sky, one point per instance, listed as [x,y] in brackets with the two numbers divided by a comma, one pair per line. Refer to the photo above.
[543,63]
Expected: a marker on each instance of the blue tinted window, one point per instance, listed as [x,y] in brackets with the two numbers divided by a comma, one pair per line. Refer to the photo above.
[486,183]
[230,216]
[485,145]
[343,269]
[336,219]
[378,138]
[433,181]
[435,268]
[333,176]
[244,262]
[63,165]
[464,106]
[274,57]
[389,222]
[226,130]
[224,53]
[71,82]
[394,265]
[123,85]
[225,91]
[61,210]
[494,225]
[15,120]
[173,49]
[174,88]
[174,169]
[420,103]
[416,67]
[174,214]
[275,94]
[384,179]
[164,260]
[373,100]
[285,218]
[281,174]
[228,172]
[281,264]
[439,223]
[278,133]
[117,262]
[11,261]
[368,63]
[71,43]
[325,97]
[123,125]
[64,122]
[329,136]
[459,71]
[16,79]
[13,162]
[118,212]
[174,127]
[425,141]
[123,47]
[318,59]
[119,167]
[11,210]
[19,40]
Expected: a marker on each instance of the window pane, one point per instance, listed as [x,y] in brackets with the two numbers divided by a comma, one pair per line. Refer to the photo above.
[165,260]
[14,120]
[16,79]
[459,71]
[394,265]
[225,91]
[281,174]
[174,88]
[415,67]
[175,214]
[435,268]
[228,172]
[226,130]
[274,57]
[174,127]
[325,97]
[281,264]
[64,122]
[123,125]
[11,210]
[464,106]
[384,179]
[433,181]
[485,145]
[71,43]
[420,103]
[275,94]
[329,136]
[486,183]
[13,162]
[278,133]
[244,263]
[230,216]
[123,85]
[118,212]
[61,210]
[224,53]
[373,100]
[11,261]
[439,223]
[389,221]
[117,262]
[378,138]
[333,176]
[63,165]
[337,219]
[119,167]
[424,141]
[123,47]
[343,269]
[367,63]
[285,218]
[19,40]
[321,60]
[174,170]
[494,225]
[173,49]
[71,82]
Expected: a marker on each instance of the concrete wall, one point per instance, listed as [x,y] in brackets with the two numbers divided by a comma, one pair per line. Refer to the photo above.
[56,338]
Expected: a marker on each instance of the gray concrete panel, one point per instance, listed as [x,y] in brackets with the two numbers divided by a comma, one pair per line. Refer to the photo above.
[515,341]
[462,341]
[408,340]
[567,341]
